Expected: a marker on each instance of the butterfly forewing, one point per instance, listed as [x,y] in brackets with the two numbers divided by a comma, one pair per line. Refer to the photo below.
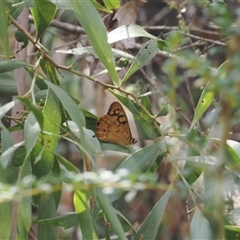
[113,127]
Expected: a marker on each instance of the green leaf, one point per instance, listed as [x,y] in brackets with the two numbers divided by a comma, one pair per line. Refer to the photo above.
[132,31]
[8,173]
[100,7]
[149,227]
[105,204]
[49,137]
[112,4]
[142,159]
[77,116]
[10,65]
[233,151]
[25,205]
[204,102]
[43,14]
[200,227]
[88,138]
[5,108]
[19,156]
[20,37]
[66,221]
[6,221]
[97,34]
[116,147]
[35,111]
[68,165]
[4,28]
[84,216]
[57,174]
[31,132]
[232,232]
[139,162]
[46,209]
[192,171]
[51,71]
[69,105]
[145,54]
[6,156]
[8,84]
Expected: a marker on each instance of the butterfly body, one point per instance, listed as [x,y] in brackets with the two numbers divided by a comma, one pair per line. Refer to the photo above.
[114,127]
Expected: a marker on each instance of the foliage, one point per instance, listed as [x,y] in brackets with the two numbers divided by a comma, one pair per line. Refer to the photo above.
[33,171]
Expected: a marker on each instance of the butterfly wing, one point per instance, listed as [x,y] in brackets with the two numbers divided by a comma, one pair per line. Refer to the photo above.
[114,127]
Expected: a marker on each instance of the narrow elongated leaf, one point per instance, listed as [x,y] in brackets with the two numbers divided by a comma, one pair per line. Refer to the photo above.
[56,173]
[10,65]
[84,216]
[49,137]
[43,13]
[8,173]
[110,214]
[232,232]
[31,132]
[233,154]
[68,165]
[37,113]
[132,31]
[19,156]
[112,4]
[87,14]
[65,221]
[25,205]
[5,108]
[145,54]
[6,221]
[4,28]
[100,7]
[200,227]
[6,157]
[204,102]
[71,107]
[75,114]
[149,227]
[139,162]
[46,209]
[8,84]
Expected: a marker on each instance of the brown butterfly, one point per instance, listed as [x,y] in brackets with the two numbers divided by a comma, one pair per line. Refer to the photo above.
[113,127]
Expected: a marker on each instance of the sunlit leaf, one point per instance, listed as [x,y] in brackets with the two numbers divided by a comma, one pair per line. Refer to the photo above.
[84,216]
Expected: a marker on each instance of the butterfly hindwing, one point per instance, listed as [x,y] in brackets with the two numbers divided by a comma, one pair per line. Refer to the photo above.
[114,127]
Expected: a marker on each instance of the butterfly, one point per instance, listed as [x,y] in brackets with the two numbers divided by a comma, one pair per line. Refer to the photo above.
[114,127]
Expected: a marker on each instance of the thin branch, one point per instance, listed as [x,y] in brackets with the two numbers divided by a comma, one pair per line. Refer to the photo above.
[63,26]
